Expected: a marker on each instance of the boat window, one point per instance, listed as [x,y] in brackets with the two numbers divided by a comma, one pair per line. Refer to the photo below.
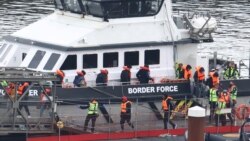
[95,9]
[110,60]
[36,59]
[52,61]
[58,4]
[3,48]
[72,6]
[23,56]
[90,61]
[6,52]
[70,63]
[131,58]
[152,57]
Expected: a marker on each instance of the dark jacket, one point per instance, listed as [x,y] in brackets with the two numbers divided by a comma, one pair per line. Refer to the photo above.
[125,76]
[143,75]
[101,79]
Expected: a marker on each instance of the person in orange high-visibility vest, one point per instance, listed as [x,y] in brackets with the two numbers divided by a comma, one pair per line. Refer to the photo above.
[226,96]
[199,75]
[126,112]
[213,79]
[60,74]
[167,108]
[20,91]
[187,72]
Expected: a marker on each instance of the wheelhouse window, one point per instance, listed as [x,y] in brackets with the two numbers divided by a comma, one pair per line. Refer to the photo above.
[73,6]
[111,8]
[131,58]
[90,61]
[152,57]
[58,4]
[52,61]
[70,63]
[23,56]
[110,60]
[36,59]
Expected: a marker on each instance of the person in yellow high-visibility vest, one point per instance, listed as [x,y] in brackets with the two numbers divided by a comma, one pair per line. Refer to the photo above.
[220,117]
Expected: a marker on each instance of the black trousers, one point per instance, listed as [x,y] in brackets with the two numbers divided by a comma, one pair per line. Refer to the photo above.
[221,118]
[212,110]
[167,119]
[89,117]
[229,115]
[26,108]
[125,117]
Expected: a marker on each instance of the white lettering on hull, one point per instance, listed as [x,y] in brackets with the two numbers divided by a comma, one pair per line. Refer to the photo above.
[158,89]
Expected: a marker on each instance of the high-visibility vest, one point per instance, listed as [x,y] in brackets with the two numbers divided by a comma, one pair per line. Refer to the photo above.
[233,92]
[230,73]
[221,105]
[4,83]
[201,76]
[93,107]
[213,96]
[164,104]
[124,106]
[214,79]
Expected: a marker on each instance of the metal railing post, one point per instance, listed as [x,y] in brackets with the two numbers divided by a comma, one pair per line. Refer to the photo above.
[109,119]
[136,118]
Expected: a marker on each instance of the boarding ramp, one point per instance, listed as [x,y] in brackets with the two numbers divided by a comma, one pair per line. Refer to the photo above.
[14,107]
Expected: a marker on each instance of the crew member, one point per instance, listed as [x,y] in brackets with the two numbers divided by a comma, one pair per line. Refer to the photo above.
[92,114]
[79,80]
[225,94]
[167,108]
[233,93]
[143,75]
[126,112]
[102,78]
[220,117]
[179,71]
[21,90]
[213,79]
[60,74]
[187,72]
[213,99]
[231,72]
[126,75]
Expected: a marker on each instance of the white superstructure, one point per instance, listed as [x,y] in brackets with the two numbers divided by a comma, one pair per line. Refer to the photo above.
[96,34]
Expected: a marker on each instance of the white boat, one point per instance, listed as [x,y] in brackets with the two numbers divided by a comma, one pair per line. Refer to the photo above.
[96,34]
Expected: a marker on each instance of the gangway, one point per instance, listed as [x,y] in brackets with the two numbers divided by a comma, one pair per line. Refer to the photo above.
[14,119]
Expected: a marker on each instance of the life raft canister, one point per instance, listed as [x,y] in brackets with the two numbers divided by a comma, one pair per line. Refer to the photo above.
[242,112]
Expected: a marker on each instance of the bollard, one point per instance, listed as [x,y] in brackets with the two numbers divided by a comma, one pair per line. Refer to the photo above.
[196,123]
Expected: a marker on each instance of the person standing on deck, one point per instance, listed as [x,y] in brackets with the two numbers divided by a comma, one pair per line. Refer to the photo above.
[199,79]
[126,75]
[143,75]
[233,93]
[187,72]
[79,80]
[102,78]
[213,79]
[60,74]
[226,95]
[92,114]
[220,117]
[21,90]
[167,108]
[126,107]
[179,71]
[231,72]
[213,100]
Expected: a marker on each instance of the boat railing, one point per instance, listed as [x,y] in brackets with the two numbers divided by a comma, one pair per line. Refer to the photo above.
[156,80]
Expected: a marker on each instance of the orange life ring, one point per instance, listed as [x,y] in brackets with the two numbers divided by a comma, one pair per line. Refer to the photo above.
[242,112]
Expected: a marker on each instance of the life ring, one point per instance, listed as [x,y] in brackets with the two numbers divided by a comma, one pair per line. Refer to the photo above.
[242,112]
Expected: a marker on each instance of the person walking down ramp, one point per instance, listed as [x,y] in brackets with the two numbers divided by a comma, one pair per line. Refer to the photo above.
[92,114]
[167,108]
[126,113]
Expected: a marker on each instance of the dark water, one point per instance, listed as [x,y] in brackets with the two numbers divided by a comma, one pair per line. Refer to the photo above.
[232,38]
